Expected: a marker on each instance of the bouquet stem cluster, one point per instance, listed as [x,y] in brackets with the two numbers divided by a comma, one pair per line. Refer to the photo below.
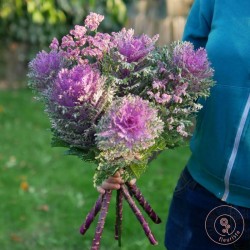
[127,191]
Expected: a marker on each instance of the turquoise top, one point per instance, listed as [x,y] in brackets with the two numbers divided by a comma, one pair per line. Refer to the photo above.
[220,146]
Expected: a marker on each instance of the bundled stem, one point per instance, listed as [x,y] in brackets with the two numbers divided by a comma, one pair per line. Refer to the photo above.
[139,215]
[143,202]
[102,204]
[91,215]
[101,220]
[118,223]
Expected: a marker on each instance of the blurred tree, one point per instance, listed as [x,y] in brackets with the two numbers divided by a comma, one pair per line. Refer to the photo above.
[37,22]
[164,17]
[27,26]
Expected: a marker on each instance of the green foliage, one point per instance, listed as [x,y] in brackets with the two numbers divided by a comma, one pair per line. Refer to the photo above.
[138,168]
[131,170]
[57,142]
[37,22]
[87,155]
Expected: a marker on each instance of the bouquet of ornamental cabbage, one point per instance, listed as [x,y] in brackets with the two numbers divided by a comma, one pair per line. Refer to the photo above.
[117,100]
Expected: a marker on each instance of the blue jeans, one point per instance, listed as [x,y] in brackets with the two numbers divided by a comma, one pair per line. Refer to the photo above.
[198,220]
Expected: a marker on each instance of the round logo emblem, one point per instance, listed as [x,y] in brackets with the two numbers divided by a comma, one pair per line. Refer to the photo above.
[224,225]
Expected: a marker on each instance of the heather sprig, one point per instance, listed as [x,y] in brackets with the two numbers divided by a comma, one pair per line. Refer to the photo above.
[83,44]
[93,20]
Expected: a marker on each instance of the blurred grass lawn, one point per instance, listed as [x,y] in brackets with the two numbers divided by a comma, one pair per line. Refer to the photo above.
[44,195]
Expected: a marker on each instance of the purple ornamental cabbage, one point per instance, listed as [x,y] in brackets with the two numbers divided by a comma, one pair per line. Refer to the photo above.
[81,84]
[192,62]
[131,125]
[131,47]
[43,69]
[76,100]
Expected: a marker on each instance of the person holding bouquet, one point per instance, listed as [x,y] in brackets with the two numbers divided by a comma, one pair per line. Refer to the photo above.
[216,180]
[117,100]
[213,192]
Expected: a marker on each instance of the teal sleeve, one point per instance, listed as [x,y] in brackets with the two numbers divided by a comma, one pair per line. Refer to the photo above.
[198,23]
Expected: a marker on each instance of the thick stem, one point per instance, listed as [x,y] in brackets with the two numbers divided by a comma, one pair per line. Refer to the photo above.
[91,215]
[139,216]
[118,223]
[143,202]
[101,220]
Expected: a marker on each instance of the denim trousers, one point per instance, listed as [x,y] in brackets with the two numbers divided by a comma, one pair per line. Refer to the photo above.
[198,220]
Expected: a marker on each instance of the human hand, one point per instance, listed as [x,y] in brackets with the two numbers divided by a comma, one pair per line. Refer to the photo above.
[114,182]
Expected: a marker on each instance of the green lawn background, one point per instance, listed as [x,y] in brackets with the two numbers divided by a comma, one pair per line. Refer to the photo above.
[60,190]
